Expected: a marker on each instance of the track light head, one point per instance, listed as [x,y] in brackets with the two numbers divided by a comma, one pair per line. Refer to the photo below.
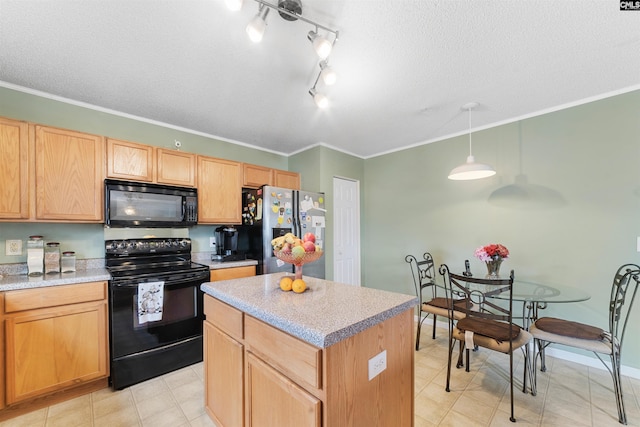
[328,75]
[321,44]
[234,5]
[255,28]
[319,98]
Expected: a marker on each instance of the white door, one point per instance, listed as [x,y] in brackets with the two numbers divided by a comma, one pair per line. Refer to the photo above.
[346,231]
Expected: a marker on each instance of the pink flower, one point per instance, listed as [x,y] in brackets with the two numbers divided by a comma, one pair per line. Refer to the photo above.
[491,252]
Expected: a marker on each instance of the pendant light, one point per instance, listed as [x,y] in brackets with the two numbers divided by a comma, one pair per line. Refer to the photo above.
[471,170]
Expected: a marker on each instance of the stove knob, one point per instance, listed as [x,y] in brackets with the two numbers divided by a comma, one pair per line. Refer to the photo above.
[121,245]
[131,246]
[183,243]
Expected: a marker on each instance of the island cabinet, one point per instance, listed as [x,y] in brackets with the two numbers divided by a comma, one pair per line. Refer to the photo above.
[69,175]
[219,191]
[14,169]
[55,340]
[257,374]
[139,162]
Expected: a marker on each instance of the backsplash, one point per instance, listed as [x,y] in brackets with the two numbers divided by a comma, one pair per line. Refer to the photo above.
[21,267]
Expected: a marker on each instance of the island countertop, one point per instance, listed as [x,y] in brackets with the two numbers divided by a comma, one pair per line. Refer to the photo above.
[326,313]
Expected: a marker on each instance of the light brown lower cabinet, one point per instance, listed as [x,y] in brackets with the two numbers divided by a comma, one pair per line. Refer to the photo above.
[275,400]
[232,273]
[257,375]
[55,339]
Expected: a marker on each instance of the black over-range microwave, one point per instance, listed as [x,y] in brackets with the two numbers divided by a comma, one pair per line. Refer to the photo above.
[138,204]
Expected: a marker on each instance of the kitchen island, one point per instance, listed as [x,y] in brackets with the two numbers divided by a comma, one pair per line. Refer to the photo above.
[335,355]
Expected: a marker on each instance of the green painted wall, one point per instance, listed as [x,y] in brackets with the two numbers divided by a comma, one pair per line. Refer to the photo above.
[317,167]
[565,201]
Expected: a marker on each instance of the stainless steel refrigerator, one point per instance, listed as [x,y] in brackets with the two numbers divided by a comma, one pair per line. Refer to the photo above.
[270,212]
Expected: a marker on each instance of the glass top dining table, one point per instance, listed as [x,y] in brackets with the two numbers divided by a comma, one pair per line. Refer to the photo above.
[536,296]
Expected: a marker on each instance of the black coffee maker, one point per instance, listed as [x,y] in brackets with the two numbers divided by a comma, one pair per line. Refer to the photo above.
[227,244]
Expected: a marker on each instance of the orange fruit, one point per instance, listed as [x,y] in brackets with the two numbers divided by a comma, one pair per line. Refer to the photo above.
[298,286]
[286,283]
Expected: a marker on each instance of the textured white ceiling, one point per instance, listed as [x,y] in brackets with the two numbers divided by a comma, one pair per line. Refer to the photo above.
[405,67]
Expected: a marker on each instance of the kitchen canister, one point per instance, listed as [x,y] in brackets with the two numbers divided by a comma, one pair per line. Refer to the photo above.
[52,258]
[68,262]
[35,255]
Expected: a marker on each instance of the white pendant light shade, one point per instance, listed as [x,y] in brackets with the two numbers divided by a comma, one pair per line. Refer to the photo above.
[234,5]
[255,28]
[471,170]
[321,45]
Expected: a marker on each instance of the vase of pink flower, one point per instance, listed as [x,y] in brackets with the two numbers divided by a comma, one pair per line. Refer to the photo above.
[492,255]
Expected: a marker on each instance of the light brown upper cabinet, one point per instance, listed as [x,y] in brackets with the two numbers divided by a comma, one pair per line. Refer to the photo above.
[176,167]
[14,169]
[286,179]
[140,162]
[69,175]
[219,191]
[129,160]
[255,176]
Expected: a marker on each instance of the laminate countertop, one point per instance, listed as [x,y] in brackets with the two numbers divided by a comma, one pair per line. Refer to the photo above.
[23,281]
[326,313]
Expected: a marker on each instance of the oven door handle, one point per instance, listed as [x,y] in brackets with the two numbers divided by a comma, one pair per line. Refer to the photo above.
[169,283]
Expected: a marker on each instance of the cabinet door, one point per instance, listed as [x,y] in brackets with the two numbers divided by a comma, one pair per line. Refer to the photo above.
[176,167]
[224,377]
[286,179]
[256,176]
[219,191]
[274,400]
[14,169]
[129,160]
[232,273]
[51,349]
[69,175]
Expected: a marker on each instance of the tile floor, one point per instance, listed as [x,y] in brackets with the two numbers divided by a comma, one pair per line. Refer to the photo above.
[569,394]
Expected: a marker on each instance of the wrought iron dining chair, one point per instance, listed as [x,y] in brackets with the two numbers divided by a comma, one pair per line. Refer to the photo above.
[486,323]
[548,330]
[424,278]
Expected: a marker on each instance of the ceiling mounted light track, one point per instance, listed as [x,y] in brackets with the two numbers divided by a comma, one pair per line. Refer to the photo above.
[291,10]
[471,170]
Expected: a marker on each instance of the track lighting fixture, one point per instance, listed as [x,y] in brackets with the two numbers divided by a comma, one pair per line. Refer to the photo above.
[291,10]
[255,28]
[471,169]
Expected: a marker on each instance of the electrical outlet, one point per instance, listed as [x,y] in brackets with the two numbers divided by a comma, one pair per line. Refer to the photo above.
[377,364]
[14,247]
[212,242]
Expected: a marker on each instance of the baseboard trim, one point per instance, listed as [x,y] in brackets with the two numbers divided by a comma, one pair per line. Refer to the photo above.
[581,359]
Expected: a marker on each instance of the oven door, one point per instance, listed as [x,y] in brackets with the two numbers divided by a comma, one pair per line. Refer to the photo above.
[181,315]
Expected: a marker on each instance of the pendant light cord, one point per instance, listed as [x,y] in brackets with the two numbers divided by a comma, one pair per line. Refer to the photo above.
[470,152]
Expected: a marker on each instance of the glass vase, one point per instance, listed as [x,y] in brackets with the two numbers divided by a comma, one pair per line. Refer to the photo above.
[493,269]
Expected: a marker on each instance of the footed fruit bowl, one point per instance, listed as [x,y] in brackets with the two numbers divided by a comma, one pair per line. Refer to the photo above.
[298,260]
